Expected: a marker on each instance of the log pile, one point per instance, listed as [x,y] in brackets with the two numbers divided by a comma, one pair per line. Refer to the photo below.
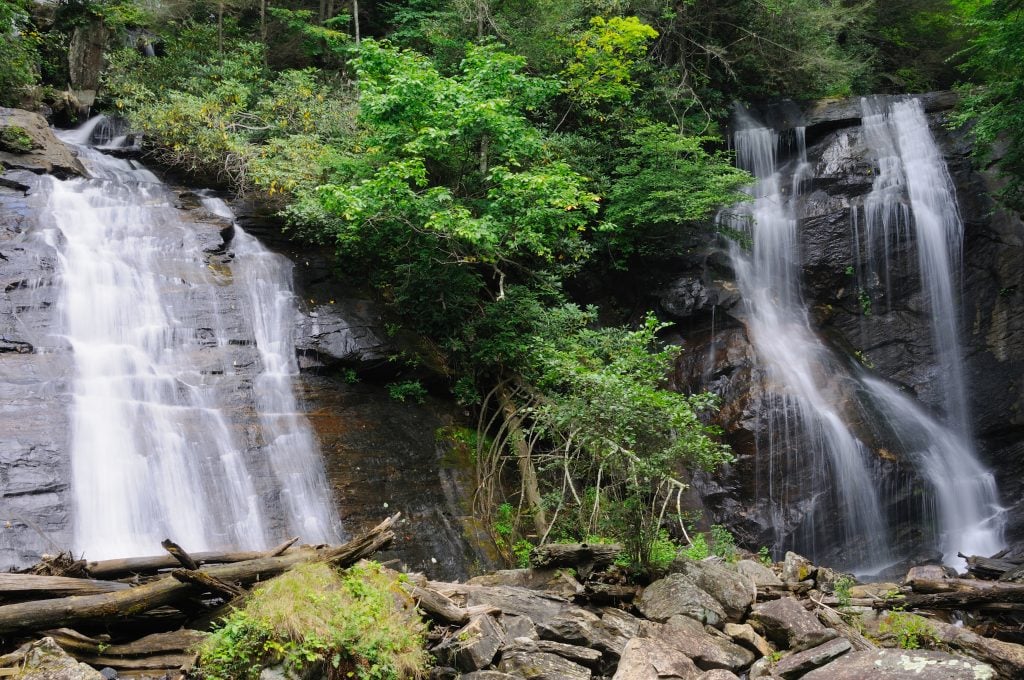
[96,611]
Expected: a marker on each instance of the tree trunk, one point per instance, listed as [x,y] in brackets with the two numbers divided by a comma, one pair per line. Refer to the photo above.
[527,472]
[355,19]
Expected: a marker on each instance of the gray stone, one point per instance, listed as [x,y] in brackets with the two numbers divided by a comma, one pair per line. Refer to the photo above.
[554,581]
[45,660]
[786,623]
[744,634]
[518,627]
[707,651]
[678,594]
[473,646]
[796,568]
[761,575]
[489,675]
[734,591]
[647,658]
[719,674]
[796,665]
[578,626]
[47,155]
[762,668]
[542,666]
[584,656]
[898,664]
[621,628]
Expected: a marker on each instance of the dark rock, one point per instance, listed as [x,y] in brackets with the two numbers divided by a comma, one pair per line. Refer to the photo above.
[541,666]
[898,664]
[796,665]
[85,60]
[719,674]
[108,673]
[45,154]
[489,675]
[474,646]
[518,627]
[584,656]
[786,623]
[706,650]
[45,660]
[444,673]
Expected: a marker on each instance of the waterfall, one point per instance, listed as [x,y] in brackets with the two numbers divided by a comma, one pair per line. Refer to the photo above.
[806,403]
[156,451]
[814,396]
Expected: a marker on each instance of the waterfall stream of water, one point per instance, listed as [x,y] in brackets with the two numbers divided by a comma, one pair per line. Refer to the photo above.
[156,451]
[813,393]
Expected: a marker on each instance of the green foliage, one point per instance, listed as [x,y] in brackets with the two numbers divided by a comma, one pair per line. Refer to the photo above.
[723,543]
[18,43]
[841,587]
[910,630]
[605,58]
[864,300]
[14,139]
[996,108]
[521,551]
[698,548]
[358,622]
[411,390]
[764,556]
[663,551]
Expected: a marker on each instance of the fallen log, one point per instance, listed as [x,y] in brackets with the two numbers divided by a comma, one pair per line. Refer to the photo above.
[988,567]
[31,585]
[967,599]
[179,553]
[209,582]
[833,619]
[1006,657]
[107,569]
[439,607]
[167,590]
[574,555]
[962,585]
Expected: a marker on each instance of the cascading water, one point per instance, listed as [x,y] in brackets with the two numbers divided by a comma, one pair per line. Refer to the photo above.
[154,451]
[805,402]
[813,395]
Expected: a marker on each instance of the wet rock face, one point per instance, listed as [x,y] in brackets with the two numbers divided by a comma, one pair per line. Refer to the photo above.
[878,320]
[27,143]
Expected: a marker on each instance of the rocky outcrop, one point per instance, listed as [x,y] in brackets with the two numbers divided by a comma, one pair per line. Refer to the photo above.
[85,61]
[896,664]
[45,660]
[27,143]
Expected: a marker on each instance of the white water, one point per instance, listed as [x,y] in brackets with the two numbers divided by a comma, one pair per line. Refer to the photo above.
[154,452]
[913,197]
[813,394]
[797,363]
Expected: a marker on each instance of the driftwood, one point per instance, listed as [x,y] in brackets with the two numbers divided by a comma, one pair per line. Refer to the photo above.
[992,598]
[33,586]
[178,553]
[208,581]
[167,590]
[962,585]
[148,565]
[439,607]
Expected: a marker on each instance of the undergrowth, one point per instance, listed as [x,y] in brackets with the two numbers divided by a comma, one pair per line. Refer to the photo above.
[356,623]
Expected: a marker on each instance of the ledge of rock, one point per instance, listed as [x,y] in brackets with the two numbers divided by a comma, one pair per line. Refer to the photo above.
[27,143]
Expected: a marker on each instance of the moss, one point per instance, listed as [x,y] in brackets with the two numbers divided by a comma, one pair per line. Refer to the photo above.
[354,624]
[16,140]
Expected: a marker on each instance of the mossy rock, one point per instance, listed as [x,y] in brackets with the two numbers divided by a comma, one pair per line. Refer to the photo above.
[15,139]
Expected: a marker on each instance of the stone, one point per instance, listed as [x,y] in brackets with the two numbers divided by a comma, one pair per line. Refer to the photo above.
[536,606]
[620,626]
[796,568]
[786,623]
[707,651]
[45,660]
[719,674]
[734,591]
[108,673]
[443,673]
[542,666]
[44,153]
[762,576]
[473,646]
[1006,657]
[554,581]
[678,594]
[584,656]
[651,659]
[796,665]
[899,664]
[762,668]
[518,627]
[744,634]
[489,675]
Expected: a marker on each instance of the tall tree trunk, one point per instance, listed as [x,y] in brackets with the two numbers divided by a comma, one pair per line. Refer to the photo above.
[263,28]
[355,18]
[220,27]
[527,472]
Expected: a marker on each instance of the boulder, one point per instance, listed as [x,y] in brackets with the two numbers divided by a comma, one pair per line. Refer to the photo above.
[45,660]
[706,650]
[796,665]
[585,656]
[719,674]
[577,626]
[678,594]
[762,576]
[27,143]
[473,646]
[734,591]
[1005,657]
[744,634]
[518,627]
[786,623]
[647,658]
[899,664]
[489,675]
[796,568]
[541,666]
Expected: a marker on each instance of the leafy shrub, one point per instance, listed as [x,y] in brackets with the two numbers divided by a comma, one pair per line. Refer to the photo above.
[723,543]
[909,630]
[698,548]
[358,624]
[411,390]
